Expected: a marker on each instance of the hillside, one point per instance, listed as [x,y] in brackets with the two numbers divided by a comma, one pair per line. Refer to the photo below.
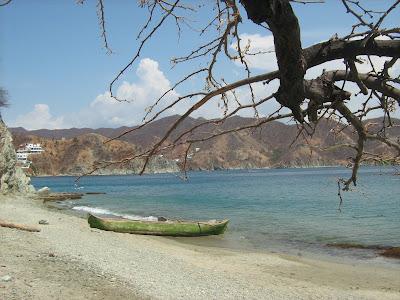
[275,144]
[78,155]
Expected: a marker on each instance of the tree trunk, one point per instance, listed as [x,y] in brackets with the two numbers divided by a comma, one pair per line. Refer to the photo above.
[282,21]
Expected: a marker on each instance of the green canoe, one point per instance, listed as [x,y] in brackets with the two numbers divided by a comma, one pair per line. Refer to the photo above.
[165,227]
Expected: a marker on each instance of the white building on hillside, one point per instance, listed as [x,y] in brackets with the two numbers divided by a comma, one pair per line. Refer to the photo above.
[25,150]
[22,156]
[32,148]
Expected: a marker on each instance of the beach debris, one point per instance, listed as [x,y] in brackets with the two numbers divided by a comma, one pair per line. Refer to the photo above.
[6,278]
[392,252]
[387,251]
[28,284]
[18,226]
[52,255]
[60,196]
[44,222]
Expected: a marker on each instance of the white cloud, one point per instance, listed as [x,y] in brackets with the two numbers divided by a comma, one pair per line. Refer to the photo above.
[104,111]
[40,117]
[151,83]
[215,107]
[254,43]
[257,43]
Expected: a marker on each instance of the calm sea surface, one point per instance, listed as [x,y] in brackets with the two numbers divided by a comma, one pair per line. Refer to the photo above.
[289,210]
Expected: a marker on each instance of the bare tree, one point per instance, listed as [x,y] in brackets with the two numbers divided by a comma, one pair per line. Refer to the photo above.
[3,99]
[305,101]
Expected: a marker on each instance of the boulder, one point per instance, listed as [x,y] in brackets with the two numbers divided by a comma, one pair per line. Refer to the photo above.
[43,191]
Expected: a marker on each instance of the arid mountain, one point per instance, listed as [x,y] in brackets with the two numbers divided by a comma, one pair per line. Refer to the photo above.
[78,155]
[275,144]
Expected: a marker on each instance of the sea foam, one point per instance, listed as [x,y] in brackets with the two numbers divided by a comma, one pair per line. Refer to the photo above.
[103,211]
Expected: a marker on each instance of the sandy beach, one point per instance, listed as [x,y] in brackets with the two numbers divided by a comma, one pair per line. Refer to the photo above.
[69,260]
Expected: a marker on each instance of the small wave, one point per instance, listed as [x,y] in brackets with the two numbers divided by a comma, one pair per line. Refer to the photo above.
[367,217]
[103,211]
[95,210]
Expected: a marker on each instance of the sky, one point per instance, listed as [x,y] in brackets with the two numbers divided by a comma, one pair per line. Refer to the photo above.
[57,72]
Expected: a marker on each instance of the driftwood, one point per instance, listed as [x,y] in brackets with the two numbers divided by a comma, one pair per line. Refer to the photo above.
[19,226]
[60,196]
[95,193]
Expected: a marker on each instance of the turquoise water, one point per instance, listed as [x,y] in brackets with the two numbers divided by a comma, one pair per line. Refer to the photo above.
[276,209]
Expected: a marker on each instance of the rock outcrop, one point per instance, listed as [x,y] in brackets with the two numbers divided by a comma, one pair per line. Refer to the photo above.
[12,178]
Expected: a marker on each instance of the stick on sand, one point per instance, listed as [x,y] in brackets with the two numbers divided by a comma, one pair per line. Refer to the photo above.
[19,226]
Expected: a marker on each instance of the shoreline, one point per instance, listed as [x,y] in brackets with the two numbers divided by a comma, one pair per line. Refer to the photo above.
[367,257]
[349,252]
[91,263]
[214,170]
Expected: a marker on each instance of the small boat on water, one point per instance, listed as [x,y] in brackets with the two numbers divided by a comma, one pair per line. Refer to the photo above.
[160,227]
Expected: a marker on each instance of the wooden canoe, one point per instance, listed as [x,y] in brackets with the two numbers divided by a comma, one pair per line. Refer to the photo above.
[167,228]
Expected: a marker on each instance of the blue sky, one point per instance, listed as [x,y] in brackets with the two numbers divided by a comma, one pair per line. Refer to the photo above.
[57,73]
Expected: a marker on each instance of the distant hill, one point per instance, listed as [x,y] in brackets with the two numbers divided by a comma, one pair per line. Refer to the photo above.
[275,144]
[78,155]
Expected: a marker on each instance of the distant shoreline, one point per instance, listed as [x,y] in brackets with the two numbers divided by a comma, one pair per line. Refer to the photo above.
[215,170]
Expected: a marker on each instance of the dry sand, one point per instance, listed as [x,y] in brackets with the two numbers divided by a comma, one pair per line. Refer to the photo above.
[69,260]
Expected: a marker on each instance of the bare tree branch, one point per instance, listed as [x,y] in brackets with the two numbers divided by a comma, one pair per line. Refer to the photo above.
[326,96]
[5,2]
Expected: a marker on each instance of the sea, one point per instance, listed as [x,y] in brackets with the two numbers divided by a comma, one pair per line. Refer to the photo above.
[293,211]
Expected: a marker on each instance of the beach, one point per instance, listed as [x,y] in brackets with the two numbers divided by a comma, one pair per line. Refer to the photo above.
[69,260]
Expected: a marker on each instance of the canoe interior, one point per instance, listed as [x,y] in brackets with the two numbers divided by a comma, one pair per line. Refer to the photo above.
[167,228]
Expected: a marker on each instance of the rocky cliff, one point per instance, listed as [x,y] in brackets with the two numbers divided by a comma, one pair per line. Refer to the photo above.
[12,178]
[79,155]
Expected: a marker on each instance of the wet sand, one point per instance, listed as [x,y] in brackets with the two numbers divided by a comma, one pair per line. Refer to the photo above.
[69,260]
